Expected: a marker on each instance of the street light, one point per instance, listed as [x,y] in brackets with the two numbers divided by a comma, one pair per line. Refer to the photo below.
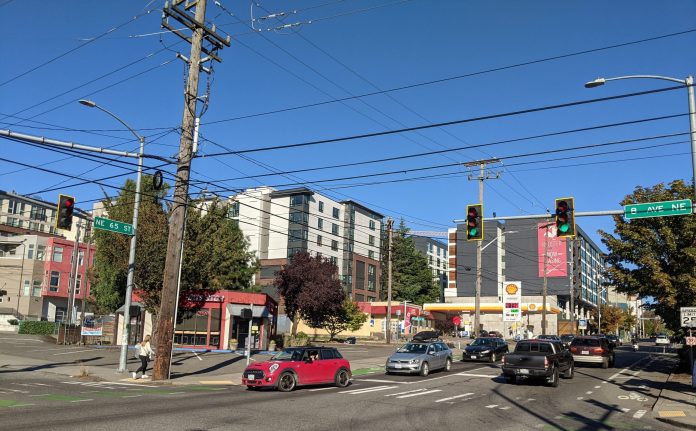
[131,256]
[689,84]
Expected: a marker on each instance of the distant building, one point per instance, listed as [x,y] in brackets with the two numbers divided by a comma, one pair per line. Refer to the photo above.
[436,253]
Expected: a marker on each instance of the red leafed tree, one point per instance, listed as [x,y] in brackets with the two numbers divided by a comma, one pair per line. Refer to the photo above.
[310,289]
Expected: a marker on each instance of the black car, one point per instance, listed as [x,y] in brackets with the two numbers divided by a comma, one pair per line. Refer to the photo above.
[614,340]
[555,338]
[485,349]
[566,339]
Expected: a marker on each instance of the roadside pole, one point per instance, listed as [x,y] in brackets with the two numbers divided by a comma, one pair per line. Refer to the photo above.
[251,320]
[387,323]
[545,288]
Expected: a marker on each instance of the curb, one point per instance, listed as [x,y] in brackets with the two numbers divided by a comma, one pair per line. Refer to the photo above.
[195,350]
[685,423]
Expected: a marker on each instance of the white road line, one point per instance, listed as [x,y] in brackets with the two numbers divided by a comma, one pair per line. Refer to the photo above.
[40,395]
[381,381]
[504,408]
[454,397]
[420,393]
[626,369]
[477,375]
[625,409]
[81,401]
[491,406]
[22,405]
[199,358]
[131,396]
[175,393]
[531,399]
[580,398]
[364,390]
[597,387]
[322,389]
[22,339]
[75,351]
[639,414]
[407,392]
[589,392]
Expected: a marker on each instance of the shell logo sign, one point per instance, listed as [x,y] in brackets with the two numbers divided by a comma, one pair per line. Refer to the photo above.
[532,307]
[511,289]
[512,301]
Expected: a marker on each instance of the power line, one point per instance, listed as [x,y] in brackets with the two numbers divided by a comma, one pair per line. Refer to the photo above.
[454,122]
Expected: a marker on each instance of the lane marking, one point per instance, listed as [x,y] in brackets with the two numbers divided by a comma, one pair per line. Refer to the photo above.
[365,390]
[23,339]
[131,396]
[323,389]
[22,405]
[639,414]
[625,409]
[597,387]
[80,401]
[671,414]
[477,375]
[504,408]
[70,353]
[454,397]
[580,398]
[589,392]
[490,406]
[407,392]
[382,381]
[199,358]
[531,399]
[420,393]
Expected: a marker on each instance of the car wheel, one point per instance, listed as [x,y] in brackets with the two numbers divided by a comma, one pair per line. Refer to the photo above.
[286,382]
[611,362]
[448,364]
[493,357]
[342,378]
[605,363]
[553,380]
[570,372]
[425,369]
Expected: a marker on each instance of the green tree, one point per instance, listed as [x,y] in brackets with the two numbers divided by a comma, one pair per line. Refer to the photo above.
[412,278]
[629,320]
[348,317]
[655,256]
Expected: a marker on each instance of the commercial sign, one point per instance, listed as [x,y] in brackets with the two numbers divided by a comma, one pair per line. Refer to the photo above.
[556,252]
[582,324]
[512,301]
[90,328]
[688,317]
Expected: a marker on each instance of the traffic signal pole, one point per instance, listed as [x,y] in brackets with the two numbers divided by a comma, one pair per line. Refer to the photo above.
[387,323]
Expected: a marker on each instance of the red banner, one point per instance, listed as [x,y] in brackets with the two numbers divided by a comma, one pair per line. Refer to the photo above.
[556,251]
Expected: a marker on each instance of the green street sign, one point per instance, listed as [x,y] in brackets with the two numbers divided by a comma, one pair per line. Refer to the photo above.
[113,226]
[658,209]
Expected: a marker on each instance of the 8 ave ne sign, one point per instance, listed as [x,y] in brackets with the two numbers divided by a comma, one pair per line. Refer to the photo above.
[658,209]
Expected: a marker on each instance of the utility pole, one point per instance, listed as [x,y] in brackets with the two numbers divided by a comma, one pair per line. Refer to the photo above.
[387,323]
[71,284]
[483,175]
[545,288]
[165,323]
[85,280]
[571,300]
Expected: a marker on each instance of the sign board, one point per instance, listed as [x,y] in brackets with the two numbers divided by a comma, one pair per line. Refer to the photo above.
[582,324]
[512,301]
[658,209]
[688,317]
[556,251]
[456,320]
[90,328]
[113,226]
[691,341]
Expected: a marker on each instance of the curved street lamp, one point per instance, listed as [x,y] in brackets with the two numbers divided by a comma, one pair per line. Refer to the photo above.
[131,256]
[689,84]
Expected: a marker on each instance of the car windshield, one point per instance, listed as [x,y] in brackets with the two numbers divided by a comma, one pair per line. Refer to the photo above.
[482,342]
[413,348]
[546,337]
[288,355]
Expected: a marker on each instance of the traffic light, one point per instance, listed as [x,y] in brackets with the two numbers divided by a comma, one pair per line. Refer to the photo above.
[66,206]
[474,222]
[565,217]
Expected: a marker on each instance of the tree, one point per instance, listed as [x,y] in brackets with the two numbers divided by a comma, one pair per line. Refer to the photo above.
[412,278]
[629,320]
[655,256]
[612,318]
[310,289]
[348,317]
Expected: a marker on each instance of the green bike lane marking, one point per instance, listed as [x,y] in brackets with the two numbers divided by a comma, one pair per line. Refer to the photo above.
[363,371]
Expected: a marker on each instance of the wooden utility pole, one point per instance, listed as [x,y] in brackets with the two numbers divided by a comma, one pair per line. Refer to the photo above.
[387,323]
[168,300]
[545,288]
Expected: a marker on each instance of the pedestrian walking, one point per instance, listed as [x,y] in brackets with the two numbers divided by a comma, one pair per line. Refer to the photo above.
[145,354]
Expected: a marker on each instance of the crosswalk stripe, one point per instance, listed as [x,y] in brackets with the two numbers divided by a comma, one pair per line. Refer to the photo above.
[366,390]
[639,414]
[420,393]
[407,392]
[454,397]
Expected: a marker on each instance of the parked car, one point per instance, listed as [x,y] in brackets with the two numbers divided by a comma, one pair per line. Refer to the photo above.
[485,349]
[420,357]
[615,340]
[350,340]
[555,338]
[495,334]
[662,339]
[299,366]
[592,349]
[538,359]
[566,339]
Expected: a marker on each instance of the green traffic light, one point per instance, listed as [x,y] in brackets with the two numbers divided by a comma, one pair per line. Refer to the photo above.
[564,228]
[473,232]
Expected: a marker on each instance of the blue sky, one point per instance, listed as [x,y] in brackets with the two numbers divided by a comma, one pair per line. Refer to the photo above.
[353,48]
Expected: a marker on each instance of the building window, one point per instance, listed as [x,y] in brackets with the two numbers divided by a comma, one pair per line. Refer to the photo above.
[335,212]
[430,248]
[38,213]
[439,250]
[26,288]
[298,235]
[430,260]
[334,245]
[36,289]
[30,251]
[321,206]
[299,217]
[333,259]
[40,252]
[233,211]
[372,224]
[296,200]
[58,254]
[55,280]
[438,262]
[371,240]
[78,284]
[11,221]
[319,240]
[371,254]
[80,257]
[320,224]
[334,228]
[15,207]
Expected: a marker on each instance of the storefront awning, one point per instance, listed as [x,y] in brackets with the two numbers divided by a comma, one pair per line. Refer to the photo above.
[236,310]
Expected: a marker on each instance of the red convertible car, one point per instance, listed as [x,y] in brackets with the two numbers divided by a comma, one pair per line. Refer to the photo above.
[299,366]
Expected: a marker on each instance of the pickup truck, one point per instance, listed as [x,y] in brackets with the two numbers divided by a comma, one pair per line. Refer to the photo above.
[538,359]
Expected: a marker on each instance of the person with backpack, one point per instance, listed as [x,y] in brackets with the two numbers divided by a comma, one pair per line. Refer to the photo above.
[145,354]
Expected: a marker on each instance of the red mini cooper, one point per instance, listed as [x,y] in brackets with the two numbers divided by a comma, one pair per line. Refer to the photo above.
[299,366]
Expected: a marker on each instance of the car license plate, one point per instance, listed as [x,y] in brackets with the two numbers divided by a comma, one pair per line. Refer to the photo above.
[585,352]
[524,371]
[397,365]
[473,356]
[251,377]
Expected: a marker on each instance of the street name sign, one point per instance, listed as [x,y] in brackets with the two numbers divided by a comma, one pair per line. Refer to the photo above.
[658,209]
[113,226]
[688,317]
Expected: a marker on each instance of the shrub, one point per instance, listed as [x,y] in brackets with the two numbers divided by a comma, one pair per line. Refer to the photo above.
[13,322]
[36,327]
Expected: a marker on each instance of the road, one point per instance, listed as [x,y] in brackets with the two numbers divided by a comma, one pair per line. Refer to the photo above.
[471,396]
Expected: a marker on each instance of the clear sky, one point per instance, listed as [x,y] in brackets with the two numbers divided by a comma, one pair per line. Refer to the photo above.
[352,48]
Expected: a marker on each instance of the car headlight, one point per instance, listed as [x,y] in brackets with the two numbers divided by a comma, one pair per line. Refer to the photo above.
[415,361]
[273,368]
[485,351]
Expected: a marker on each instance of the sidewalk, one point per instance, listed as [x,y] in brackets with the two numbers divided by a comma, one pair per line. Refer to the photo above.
[677,402]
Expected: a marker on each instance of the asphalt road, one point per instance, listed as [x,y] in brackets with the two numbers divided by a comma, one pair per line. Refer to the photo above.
[471,396]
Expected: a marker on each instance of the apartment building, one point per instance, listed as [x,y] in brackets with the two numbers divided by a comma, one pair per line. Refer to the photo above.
[436,253]
[280,223]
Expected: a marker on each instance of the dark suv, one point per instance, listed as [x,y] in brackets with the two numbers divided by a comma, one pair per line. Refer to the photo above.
[595,350]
